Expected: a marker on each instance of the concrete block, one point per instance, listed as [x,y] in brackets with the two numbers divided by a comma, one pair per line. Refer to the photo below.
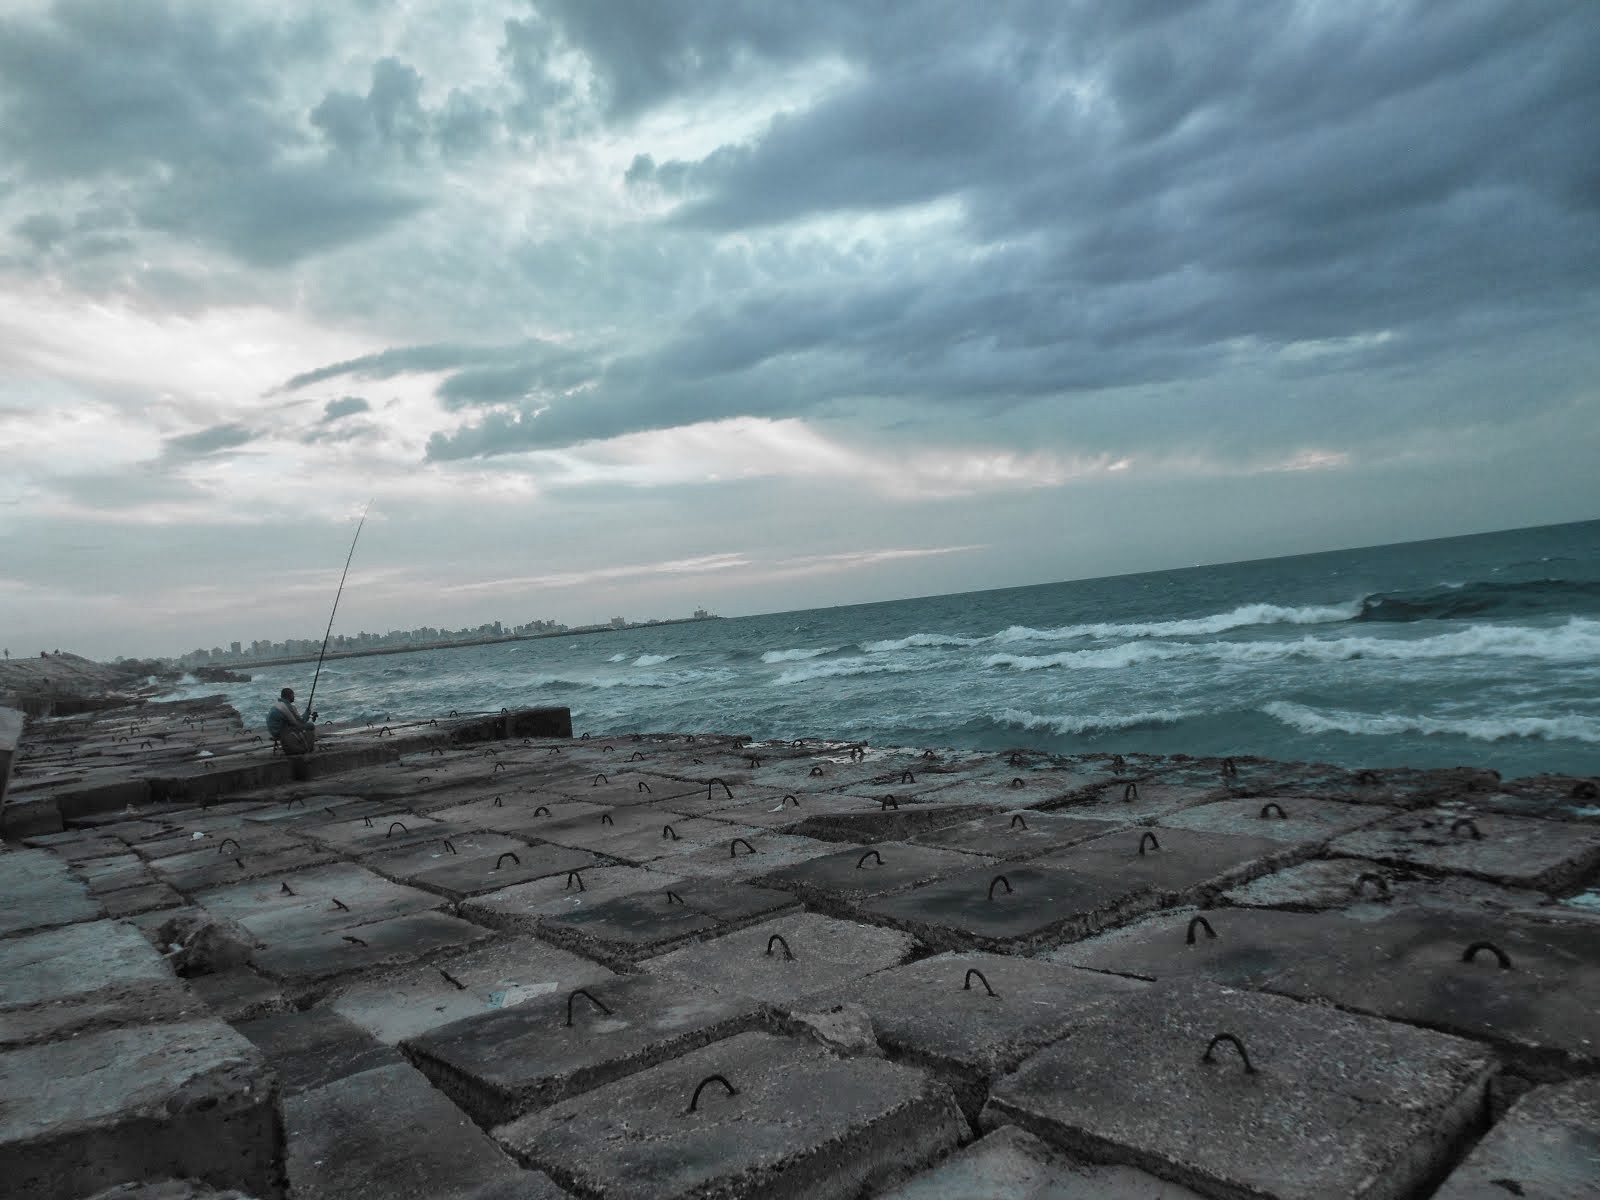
[623,930]
[822,955]
[475,863]
[202,870]
[147,897]
[1134,802]
[766,852]
[41,892]
[1009,836]
[778,812]
[1325,883]
[27,815]
[1516,851]
[502,1064]
[637,844]
[1334,1104]
[1282,818]
[315,1047]
[525,906]
[836,883]
[385,1134]
[936,1015]
[192,1100]
[878,822]
[240,994]
[79,845]
[314,900]
[411,1002]
[1011,1164]
[358,949]
[1546,1148]
[801,1123]
[85,976]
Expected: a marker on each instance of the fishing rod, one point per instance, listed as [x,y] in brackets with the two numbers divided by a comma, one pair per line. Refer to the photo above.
[336,596]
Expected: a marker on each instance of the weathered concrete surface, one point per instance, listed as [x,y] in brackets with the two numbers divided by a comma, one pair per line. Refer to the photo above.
[802,1124]
[1515,851]
[935,1015]
[10,734]
[305,962]
[1337,1105]
[878,822]
[1325,883]
[480,863]
[621,931]
[1013,835]
[504,1063]
[168,1189]
[314,901]
[86,976]
[768,851]
[1011,1164]
[316,1047]
[240,994]
[411,1002]
[823,953]
[836,883]
[191,1100]
[1136,802]
[1546,1148]
[1282,818]
[524,906]
[40,892]
[384,1134]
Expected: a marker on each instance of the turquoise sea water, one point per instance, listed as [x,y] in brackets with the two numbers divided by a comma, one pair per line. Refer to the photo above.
[1481,650]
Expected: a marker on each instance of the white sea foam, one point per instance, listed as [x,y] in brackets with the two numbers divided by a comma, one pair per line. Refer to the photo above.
[778,656]
[653,660]
[617,658]
[1576,641]
[1021,718]
[1237,618]
[1484,729]
[917,640]
[843,668]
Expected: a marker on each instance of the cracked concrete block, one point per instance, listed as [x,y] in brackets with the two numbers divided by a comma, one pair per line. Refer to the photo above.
[1515,851]
[41,892]
[1546,1148]
[790,1121]
[188,1100]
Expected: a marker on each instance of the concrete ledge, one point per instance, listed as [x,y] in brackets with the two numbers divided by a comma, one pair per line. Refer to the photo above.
[191,1100]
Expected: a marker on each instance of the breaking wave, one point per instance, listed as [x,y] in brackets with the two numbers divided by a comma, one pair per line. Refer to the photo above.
[1454,602]
[844,668]
[1237,618]
[797,655]
[1021,718]
[917,640]
[1483,729]
[653,660]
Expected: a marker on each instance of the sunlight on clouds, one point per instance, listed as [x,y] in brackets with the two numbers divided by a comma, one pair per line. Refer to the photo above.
[700,565]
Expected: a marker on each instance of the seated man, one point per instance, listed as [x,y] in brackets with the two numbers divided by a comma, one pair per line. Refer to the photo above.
[296,734]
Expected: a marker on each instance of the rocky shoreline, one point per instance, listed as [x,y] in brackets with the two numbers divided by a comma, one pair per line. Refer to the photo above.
[483,958]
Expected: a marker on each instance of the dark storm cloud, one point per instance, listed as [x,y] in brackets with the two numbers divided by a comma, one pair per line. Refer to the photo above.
[175,117]
[392,118]
[343,407]
[205,442]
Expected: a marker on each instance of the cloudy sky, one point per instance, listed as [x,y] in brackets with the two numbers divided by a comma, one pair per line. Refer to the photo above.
[633,306]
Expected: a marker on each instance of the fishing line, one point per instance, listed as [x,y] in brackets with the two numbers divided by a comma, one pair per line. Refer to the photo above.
[336,596]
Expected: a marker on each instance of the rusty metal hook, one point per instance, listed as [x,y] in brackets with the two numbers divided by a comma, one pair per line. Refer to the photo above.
[674,898]
[1266,810]
[1016,819]
[1130,793]
[598,780]
[605,819]
[867,855]
[643,786]
[789,797]
[966,985]
[1232,1040]
[587,995]
[667,831]
[226,840]
[448,845]
[733,847]
[542,811]
[999,879]
[888,802]
[1500,955]
[710,783]
[1203,924]
[511,854]
[816,772]
[1017,782]
[1371,877]
[694,1100]
[907,777]
[1472,827]
[571,875]
[393,825]
[782,941]
[1147,836]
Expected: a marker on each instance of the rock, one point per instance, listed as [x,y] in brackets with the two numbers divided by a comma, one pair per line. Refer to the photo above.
[204,946]
[845,1029]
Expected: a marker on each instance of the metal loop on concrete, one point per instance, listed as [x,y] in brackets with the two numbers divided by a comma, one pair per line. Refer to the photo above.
[966,985]
[858,754]
[449,845]
[511,854]
[674,898]
[711,783]
[352,938]
[1130,793]
[436,750]
[642,787]
[816,772]
[753,761]
[667,831]
[636,756]
[1147,836]
[1471,827]
[598,780]
[888,802]
[1016,760]
[452,980]
[587,995]
[339,904]
[499,803]
[542,811]
[1230,769]
[223,844]
[867,855]
[605,819]
[499,766]
[1018,782]
[609,749]
[694,1100]
[301,800]
[571,875]
[285,889]
[1203,924]
[1233,1041]
[733,847]
[907,777]
[789,797]
[782,941]
[583,737]
[1371,877]
[999,879]
[1016,819]
[1500,955]
[1266,810]
[393,825]
[367,821]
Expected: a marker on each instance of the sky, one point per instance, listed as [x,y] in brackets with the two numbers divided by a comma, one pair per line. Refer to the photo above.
[634,307]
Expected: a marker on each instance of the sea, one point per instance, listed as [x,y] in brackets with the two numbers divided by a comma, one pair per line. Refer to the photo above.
[1477,651]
